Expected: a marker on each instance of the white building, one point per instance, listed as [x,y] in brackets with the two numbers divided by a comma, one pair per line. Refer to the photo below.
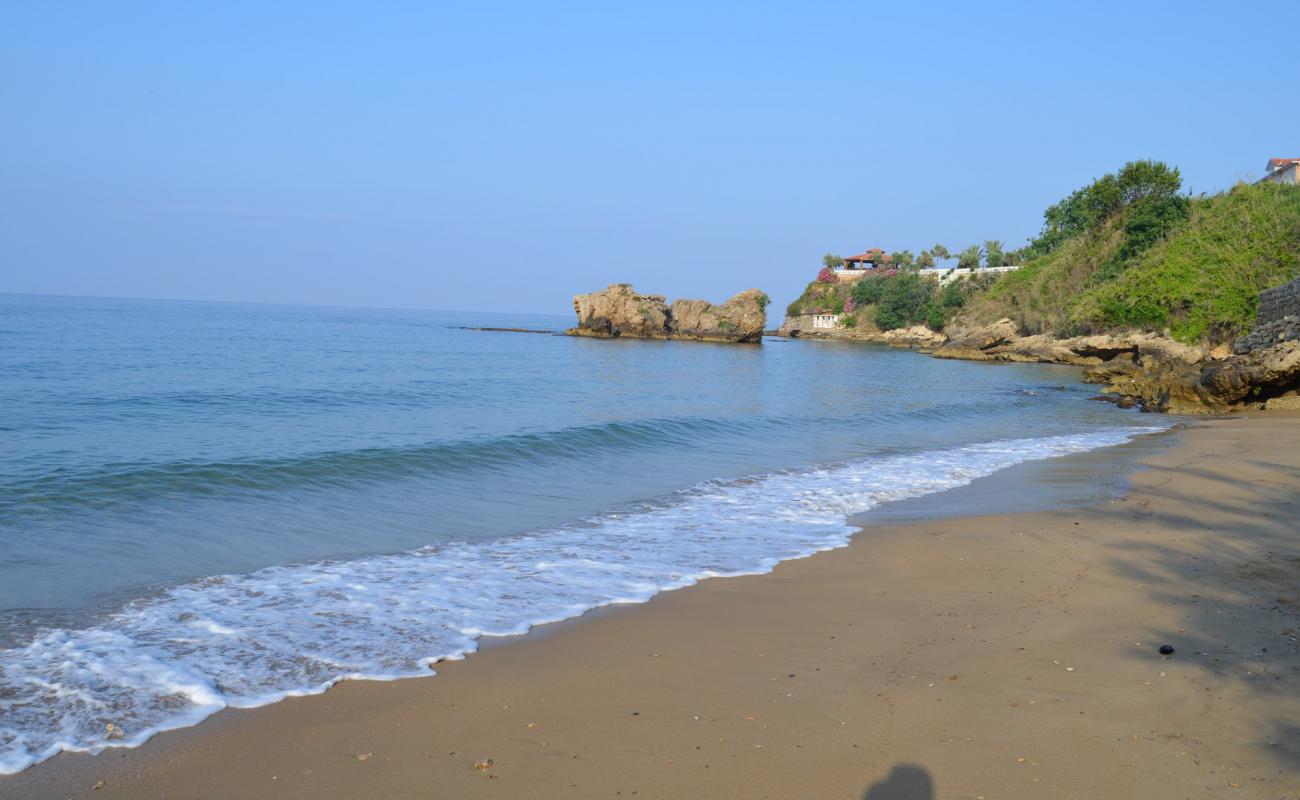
[826,320]
[947,276]
[1282,170]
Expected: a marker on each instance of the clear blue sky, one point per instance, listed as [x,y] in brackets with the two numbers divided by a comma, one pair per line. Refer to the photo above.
[505,156]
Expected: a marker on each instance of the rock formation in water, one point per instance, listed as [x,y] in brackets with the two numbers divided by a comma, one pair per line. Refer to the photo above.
[620,311]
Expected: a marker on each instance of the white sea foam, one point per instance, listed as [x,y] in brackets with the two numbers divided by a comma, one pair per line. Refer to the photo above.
[247,640]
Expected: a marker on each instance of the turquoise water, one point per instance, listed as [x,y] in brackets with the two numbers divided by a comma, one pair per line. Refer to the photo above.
[206,505]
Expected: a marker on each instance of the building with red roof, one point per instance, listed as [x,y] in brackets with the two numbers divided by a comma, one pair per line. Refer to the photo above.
[857,266]
[1282,170]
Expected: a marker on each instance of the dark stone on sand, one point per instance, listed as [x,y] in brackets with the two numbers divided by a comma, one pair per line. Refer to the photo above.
[1166,650]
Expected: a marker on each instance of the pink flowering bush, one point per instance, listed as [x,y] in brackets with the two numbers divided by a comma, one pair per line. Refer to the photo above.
[849,306]
[826,276]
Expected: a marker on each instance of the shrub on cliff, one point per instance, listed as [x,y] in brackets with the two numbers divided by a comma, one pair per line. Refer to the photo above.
[903,301]
[868,288]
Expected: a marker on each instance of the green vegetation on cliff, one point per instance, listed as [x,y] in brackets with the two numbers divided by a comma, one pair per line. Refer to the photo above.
[1129,252]
[887,299]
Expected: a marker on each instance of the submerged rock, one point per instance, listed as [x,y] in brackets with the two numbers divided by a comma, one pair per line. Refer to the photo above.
[620,311]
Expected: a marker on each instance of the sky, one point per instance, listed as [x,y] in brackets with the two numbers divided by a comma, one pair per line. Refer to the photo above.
[503,157]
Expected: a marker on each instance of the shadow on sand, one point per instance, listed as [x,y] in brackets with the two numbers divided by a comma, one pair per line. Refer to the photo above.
[1239,588]
[905,782]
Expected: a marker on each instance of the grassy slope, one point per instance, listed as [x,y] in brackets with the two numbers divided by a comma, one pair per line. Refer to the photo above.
[1200,284]
[1037,297]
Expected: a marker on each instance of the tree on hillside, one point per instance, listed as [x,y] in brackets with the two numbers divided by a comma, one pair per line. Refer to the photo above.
[969,258]
[903,259]
[832,261]
[1092,206]
[1139,180]
[925,260]
[940,251]
[993,255]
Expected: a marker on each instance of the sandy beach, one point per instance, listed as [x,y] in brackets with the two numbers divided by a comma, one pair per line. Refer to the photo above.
[999,656]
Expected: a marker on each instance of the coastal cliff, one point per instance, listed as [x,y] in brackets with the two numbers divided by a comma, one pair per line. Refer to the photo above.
[1159,374]
[1262,372]
[619,311]
[1173,302]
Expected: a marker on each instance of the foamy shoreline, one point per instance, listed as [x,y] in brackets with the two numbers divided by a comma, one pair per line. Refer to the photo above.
[872,635]
[246,641]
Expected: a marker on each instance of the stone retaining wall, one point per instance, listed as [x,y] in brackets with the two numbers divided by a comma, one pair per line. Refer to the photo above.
[1278,319]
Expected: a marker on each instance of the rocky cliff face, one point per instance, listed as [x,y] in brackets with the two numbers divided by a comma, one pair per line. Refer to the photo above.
[620,311]
[1000,341]
[1150,370]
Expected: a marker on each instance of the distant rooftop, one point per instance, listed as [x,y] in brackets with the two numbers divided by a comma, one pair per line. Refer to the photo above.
[874,256]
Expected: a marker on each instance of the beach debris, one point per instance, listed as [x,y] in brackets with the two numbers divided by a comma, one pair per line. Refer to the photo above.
[112,731]
[364,756]
[485,764]
[1166,650]
[1069,669]
[636,713]
[98,785]
[532,725]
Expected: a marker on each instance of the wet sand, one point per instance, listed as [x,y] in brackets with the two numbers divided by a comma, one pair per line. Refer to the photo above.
[995,656]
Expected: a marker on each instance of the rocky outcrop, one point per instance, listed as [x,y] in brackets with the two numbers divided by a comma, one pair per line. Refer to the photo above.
[1264,371]
[1000,341]
[1269,377]
[916,336]
[978,343]
[1154,384]
[740,319]
[1147,369]
[1258,375]
[796,326]
[620,311]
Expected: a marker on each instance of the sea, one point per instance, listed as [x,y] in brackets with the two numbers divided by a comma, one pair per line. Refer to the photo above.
[211,505]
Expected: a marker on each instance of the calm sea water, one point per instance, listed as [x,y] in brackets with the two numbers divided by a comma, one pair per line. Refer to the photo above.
[205,504]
